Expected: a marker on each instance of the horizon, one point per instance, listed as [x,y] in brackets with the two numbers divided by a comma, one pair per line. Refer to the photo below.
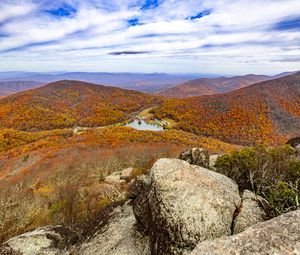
[151,36]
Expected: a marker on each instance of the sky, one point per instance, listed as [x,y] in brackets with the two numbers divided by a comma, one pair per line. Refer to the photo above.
[172,36]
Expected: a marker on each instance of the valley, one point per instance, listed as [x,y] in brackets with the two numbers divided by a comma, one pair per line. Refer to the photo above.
[64,146]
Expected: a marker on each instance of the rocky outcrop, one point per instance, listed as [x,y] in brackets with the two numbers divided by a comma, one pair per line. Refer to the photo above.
[118,236]
[177,209]
[42,241]
[186,204]
[196,156]
[279,236]
[251,212]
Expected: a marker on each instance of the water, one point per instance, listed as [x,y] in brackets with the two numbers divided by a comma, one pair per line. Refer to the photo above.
[144,126]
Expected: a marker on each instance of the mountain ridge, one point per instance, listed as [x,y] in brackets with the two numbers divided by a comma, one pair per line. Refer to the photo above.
[266,112]
[66,103]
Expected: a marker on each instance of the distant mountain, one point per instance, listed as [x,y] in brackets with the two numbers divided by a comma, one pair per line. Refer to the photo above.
[266,112]
[66,103]
[210,86]
[149,83]
[11,87]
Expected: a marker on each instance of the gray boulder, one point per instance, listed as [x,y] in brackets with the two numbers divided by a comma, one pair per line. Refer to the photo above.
[186,204]
[196,156]
[251,212]
[118,236]
[54,240]
[280,236]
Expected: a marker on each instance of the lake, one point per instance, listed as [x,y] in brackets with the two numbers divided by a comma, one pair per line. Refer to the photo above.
[143,125]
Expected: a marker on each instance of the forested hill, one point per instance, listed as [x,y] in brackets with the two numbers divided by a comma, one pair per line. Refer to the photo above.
[266,112]
[66,103]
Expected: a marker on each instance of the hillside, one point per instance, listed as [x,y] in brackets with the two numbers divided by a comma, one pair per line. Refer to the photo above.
[11,87]
[66,103]
[267,112]
[210,86]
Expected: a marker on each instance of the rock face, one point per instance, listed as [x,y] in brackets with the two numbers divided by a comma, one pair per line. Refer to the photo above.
[196,156]
[119,236]
[280,236]
[186,204]
[42,241]
[251,212]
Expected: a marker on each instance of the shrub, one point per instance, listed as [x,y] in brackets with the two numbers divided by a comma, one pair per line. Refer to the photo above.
[270,172]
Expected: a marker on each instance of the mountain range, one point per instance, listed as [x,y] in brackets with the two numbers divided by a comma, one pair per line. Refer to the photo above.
[12,87]
[210,86]
[149,83]
[266,112]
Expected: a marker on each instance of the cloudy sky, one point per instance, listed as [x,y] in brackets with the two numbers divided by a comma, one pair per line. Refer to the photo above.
[178,36]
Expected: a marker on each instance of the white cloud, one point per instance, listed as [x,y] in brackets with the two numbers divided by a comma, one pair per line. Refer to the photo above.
[233,33]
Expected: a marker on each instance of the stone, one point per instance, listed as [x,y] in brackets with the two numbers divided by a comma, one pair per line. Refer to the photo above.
[196,156]
[127,174]
[280,236]
[251,212]
[53,240]
[119,236]
[114,179]
[212,160]
[140,190]
[187,204]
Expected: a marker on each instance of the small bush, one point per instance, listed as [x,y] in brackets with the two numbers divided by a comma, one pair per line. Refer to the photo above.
[270,172]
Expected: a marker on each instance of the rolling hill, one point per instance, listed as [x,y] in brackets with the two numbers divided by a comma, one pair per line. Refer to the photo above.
[266,112]
[67,103]
[11,87]
[210,86]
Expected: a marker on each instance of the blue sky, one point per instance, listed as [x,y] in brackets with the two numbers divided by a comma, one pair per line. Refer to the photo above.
[176,36]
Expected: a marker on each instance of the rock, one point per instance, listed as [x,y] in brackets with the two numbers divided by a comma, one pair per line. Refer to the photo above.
[119,236]
[54,240]
[212,160]
[127,174]
[140,190]
[187,204]
[114,179]
[196,156]
[251,212]
[280,236]
[294,142]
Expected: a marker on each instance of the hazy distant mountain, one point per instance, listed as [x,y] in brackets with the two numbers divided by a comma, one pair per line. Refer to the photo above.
[149,83]
[211,86]
[11,87]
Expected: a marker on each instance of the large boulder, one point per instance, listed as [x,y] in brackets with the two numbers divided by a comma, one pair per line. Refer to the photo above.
[196,156]
[186,204]
[252,211]
[118,236]
[279,236]
[54,240]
